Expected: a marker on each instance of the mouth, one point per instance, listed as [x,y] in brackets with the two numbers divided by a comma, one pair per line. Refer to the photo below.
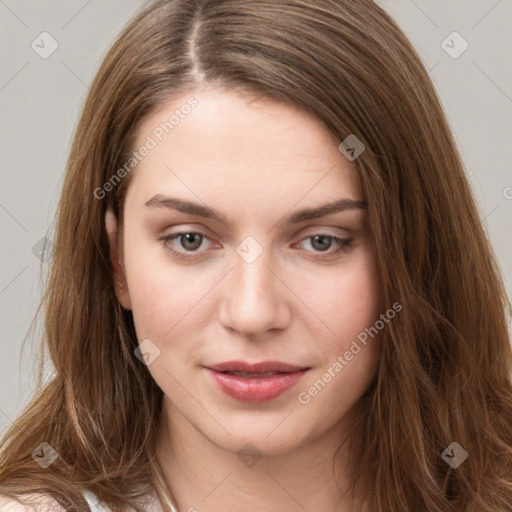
[253,375]
[256,382]
[256,368]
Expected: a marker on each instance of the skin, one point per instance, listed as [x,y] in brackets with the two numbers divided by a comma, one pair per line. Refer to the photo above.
[255,161]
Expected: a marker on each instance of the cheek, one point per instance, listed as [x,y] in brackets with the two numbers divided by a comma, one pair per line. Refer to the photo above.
[348,300]
[350,354]
[359,295]
[355,308]
[162,294]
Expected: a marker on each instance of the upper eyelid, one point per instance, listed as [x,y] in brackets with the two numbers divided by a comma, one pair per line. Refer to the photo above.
[317,229]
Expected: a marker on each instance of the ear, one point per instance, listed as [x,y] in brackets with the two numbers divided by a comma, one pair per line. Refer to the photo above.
[120,283]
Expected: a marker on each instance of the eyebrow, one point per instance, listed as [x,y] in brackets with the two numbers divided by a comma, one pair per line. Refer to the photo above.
[160,201]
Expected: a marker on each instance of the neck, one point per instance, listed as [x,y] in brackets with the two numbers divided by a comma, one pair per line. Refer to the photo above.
[203,476]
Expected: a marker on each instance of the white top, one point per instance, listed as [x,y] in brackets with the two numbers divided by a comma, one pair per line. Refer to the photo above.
[94,503]
[50,504]
[96,506]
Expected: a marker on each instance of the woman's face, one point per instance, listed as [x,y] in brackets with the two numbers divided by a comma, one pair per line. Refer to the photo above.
[257,281]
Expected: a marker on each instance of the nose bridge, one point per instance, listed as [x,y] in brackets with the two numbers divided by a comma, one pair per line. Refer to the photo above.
[253,300]
[252,279]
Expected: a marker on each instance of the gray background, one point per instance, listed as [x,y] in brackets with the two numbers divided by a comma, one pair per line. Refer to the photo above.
[40,100]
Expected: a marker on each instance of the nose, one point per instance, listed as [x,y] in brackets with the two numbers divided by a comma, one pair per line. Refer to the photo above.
[254,298]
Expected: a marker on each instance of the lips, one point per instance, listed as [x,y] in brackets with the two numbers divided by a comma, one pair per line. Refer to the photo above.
[244,374]
[255,382]
[256,368]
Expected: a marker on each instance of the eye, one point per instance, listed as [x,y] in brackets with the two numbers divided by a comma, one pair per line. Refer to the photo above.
[322,243]
[190,241]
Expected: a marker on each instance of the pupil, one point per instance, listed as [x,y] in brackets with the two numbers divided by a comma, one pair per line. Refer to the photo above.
[322,246]
[189,238]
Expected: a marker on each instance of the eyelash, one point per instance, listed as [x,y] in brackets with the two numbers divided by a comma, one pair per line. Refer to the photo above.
[343,244]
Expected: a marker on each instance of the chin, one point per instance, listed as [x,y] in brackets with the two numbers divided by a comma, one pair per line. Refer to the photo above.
[264,436]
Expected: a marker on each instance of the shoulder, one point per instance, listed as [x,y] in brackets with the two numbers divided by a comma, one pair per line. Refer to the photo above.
[30,503]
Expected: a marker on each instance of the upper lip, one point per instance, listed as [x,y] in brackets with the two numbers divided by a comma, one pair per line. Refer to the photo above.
[262,367]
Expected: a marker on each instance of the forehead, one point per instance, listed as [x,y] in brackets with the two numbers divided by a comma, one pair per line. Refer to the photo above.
[236,145]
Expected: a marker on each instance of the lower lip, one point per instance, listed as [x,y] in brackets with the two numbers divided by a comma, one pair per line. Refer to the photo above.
[255,389]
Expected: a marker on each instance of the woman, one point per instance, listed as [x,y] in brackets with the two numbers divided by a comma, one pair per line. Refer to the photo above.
[270,287]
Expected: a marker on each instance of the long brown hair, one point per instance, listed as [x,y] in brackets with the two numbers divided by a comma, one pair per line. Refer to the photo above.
[446,365]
